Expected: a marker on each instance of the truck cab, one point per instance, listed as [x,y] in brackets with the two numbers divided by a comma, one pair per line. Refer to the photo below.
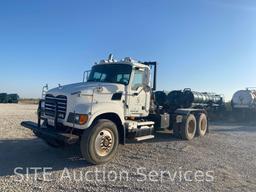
[121,88]
[115,102]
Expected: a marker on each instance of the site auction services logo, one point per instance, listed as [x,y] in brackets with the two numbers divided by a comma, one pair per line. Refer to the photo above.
[140,174]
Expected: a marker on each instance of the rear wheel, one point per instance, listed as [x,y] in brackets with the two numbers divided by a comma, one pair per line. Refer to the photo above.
[202,125]
[189,129]
[100,142]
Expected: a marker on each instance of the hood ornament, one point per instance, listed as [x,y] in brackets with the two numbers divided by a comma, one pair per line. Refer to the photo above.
[99,89]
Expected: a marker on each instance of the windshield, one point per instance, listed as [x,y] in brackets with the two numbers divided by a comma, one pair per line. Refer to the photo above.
[111,73]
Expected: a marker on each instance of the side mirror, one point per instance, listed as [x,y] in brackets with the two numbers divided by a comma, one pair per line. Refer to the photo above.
[86,75]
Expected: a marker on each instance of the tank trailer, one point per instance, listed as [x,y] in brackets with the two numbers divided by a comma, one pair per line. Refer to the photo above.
[187,98]
[117,101]
[244,104]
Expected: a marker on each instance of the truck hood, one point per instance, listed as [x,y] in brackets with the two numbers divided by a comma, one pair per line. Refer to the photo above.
[86,88]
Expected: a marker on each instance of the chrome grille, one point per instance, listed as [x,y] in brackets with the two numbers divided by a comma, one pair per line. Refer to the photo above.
[50,105]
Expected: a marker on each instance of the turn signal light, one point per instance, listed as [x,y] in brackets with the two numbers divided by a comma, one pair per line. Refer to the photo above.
[83,119]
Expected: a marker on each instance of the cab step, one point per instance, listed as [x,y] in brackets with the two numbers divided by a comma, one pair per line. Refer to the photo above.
[144,137]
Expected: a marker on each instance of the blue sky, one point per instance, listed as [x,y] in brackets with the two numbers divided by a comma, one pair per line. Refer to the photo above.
[207,45]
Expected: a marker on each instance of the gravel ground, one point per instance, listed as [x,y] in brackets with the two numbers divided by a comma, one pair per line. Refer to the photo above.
[224,160]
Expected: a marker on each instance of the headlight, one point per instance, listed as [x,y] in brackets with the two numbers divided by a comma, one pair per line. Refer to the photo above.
[76,118]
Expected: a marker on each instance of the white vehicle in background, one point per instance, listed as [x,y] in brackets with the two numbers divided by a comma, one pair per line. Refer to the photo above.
[115,103]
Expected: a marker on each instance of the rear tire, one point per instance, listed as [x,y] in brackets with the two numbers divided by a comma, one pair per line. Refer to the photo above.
[99,143]
[202,125]
[188,131]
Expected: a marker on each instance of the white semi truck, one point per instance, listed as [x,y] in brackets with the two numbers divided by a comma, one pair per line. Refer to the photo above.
[115,103]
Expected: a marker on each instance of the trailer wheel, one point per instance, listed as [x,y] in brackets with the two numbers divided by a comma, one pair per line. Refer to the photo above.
[99,143]
[188,131]
[202,125]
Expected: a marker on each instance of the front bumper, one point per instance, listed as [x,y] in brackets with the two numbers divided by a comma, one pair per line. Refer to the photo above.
[50,133]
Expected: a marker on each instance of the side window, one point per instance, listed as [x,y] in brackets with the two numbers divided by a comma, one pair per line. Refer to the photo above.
[137,79]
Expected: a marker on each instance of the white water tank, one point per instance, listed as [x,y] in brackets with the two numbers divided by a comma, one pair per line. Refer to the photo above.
[244,99]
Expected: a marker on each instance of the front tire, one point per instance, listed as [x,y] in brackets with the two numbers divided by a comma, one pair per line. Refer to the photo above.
[99,143]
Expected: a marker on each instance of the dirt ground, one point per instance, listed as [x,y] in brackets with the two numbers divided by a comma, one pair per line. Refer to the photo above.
[224,160]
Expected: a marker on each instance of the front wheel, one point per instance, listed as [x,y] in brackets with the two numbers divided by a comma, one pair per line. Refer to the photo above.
[100,142]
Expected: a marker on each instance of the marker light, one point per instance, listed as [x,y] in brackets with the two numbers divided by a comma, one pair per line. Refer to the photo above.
[83,119]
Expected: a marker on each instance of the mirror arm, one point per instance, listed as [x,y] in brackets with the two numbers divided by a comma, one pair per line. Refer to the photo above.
[137,93]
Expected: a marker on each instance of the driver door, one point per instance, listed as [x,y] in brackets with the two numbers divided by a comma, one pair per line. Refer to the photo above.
[139,93]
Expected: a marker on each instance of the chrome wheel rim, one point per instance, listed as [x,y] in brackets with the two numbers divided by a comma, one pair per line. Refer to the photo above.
[104,142]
